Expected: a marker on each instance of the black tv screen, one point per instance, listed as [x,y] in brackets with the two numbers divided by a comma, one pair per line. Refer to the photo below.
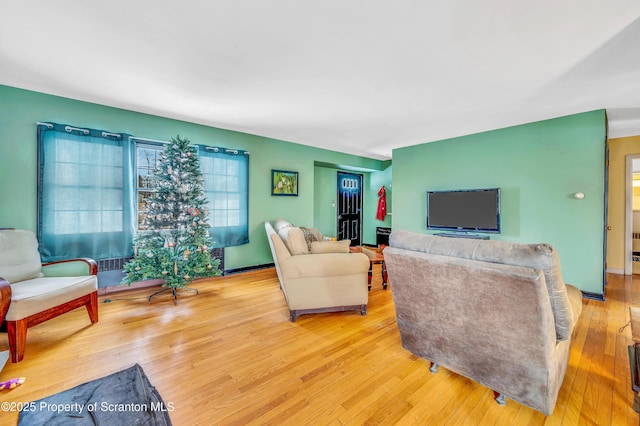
[470,210]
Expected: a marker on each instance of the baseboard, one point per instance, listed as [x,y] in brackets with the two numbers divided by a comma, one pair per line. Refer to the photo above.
[125,287]
[155,283]
[593,296]
[248,269]
[615,271]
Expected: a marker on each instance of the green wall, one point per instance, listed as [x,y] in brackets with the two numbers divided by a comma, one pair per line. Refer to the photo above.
[539,166]
[325,200]
[377,180]
[21,109]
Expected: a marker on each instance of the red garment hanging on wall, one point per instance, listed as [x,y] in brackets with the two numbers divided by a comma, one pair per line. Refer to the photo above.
[382,204]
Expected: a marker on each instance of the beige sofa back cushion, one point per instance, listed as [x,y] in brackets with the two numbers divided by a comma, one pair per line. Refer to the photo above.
[537,256]
[19,256]
[293,238]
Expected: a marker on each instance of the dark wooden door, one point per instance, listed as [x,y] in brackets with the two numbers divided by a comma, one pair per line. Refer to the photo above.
[350,207]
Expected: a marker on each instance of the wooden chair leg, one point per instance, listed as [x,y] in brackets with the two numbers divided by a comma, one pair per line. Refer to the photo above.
[92,307]
[17,333]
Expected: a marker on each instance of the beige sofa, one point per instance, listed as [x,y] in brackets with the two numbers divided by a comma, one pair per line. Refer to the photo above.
[316,275]
[496,312]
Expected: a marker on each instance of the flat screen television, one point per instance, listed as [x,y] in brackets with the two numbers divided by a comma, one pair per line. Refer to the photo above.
[468,210]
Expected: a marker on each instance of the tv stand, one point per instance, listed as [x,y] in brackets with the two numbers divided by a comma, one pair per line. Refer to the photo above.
[455,235]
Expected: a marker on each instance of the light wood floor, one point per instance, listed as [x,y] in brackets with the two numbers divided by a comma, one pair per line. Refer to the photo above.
[230,356]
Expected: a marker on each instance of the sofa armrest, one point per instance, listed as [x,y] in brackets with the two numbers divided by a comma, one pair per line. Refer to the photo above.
[279,251]
[90,263]
[5,298]
[324,265]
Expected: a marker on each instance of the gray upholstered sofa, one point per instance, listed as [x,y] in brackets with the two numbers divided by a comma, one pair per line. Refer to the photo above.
[496,312]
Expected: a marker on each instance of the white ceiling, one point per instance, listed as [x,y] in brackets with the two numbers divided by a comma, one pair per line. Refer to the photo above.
[356,76]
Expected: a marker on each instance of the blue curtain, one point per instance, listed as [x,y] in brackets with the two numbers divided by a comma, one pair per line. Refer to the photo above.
[85,193]
[226,185]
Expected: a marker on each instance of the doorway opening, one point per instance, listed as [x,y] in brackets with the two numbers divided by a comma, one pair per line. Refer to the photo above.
[632,216]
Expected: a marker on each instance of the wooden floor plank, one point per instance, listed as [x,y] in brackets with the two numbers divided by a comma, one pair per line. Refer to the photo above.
[230,355]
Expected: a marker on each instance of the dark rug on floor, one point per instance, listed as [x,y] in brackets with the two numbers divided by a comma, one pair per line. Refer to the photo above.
[123,398]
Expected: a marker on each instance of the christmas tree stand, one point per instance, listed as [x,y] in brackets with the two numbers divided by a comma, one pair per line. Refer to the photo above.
[175,292]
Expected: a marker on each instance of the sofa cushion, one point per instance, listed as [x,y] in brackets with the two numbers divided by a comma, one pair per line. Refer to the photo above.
[341,246]
[294,240]
[310,235]
[281,224]
[19,256]
[39,294]
[317,235]
[536,256]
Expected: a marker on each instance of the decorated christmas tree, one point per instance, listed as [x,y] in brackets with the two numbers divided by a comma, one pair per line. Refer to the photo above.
[174,245]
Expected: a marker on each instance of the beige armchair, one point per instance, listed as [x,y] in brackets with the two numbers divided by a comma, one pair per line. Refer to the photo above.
[36,297]
[325,278]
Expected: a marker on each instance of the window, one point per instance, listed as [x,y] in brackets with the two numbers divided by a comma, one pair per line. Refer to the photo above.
[84,193]
[226,186]
[94,186]
[147,156]
[225,176]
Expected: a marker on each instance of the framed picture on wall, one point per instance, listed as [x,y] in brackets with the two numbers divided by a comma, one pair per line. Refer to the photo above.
[284,182]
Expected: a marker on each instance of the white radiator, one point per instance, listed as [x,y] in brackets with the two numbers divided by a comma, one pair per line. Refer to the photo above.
[110,270]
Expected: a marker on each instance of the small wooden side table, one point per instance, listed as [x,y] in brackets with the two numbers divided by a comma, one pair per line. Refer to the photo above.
[375,257]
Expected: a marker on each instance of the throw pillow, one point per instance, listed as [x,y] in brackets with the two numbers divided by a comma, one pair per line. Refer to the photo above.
[341,246]
[309,236]
[280,224]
